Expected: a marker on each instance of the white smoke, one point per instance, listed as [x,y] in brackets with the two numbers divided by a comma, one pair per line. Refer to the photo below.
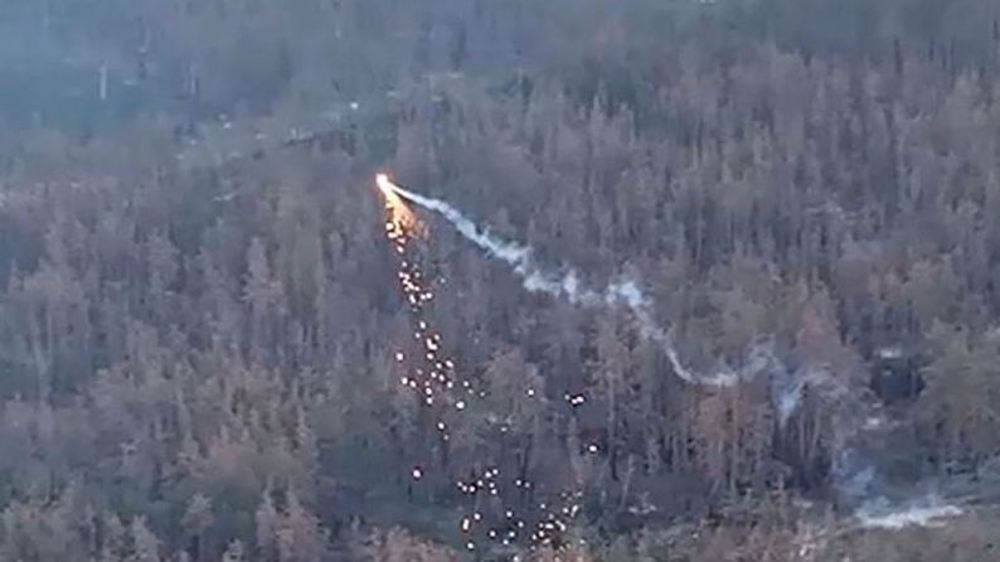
[568,287]
[855,476]
[925,513]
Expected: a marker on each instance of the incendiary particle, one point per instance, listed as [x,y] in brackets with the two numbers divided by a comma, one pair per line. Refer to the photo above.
[440,426]
[466,524]
[592,448]
[405,381]
[531,392]
[460,405]
[477,516]
[417,473]
[470,546]
[400,356]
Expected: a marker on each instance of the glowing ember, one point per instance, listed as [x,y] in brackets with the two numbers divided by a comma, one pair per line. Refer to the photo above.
[430,374]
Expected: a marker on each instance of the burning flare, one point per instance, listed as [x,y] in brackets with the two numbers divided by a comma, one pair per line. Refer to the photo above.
[401,218]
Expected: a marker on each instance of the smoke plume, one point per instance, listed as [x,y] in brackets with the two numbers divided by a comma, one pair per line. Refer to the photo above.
[854,474]
[568,287]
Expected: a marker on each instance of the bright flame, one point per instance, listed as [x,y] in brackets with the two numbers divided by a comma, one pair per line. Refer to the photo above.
[401,218]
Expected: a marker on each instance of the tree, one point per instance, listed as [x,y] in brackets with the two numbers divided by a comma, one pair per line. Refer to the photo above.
[958,409]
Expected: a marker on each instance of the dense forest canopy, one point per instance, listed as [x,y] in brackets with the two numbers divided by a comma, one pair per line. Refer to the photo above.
[200,320]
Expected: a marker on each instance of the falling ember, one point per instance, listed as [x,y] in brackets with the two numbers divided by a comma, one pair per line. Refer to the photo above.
[431,375]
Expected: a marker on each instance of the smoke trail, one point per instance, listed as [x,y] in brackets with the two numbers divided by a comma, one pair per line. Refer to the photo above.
[537,280]
[927,512]
[854,474]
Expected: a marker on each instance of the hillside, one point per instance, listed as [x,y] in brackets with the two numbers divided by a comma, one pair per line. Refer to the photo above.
[728,286]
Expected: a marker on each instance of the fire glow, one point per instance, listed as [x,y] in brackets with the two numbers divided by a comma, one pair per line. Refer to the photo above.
[401,220]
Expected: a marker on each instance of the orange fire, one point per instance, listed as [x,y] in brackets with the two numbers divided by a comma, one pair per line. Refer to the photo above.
[401,220]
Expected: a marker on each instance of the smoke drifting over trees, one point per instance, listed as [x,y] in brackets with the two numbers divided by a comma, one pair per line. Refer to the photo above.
[199,314]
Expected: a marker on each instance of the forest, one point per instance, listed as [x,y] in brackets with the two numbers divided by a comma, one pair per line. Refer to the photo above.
[203,328]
